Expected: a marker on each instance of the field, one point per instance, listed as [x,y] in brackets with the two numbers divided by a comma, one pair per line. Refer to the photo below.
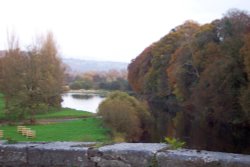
[64,125]
[88,129]
[65,113]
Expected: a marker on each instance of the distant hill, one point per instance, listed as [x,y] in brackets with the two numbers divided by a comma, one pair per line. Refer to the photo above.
[78,66]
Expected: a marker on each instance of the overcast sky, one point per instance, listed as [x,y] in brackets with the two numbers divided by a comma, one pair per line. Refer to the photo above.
[116,30]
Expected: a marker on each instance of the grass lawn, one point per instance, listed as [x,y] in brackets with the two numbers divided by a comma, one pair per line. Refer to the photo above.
[88,129]
[65,113]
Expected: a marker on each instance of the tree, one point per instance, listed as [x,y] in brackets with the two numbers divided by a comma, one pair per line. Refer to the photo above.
[32,81]
[245,93]
[111,80]
[126,115]
[196,83]
[13,72]
[52,71]
[2,54]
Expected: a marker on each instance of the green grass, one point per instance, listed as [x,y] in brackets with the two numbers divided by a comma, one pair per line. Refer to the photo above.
[65,113]
[88,129]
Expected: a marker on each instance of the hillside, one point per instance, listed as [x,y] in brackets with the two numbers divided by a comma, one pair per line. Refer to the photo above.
[77,65]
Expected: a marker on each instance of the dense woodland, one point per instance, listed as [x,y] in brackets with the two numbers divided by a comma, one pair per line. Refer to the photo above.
[196,80]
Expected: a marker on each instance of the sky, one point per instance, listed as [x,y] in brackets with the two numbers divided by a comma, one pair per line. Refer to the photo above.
[110,30]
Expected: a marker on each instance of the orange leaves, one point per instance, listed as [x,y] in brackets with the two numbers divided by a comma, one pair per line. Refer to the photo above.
[201,73]
[138,68]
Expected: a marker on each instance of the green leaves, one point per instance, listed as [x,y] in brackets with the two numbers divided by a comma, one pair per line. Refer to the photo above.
[174,143]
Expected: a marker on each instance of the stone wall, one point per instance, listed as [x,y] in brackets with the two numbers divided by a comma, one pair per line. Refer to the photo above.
[79,154]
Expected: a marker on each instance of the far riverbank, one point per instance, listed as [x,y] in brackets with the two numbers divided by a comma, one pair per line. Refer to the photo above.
[102,93]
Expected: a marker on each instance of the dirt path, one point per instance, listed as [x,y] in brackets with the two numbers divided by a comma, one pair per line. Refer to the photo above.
[55,120]
[44,121]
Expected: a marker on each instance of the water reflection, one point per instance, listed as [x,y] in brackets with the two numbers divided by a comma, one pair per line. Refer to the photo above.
[82,96]
[82,101]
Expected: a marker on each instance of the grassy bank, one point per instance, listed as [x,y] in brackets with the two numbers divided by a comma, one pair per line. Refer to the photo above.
[88,129]
[84,128]
[65,113]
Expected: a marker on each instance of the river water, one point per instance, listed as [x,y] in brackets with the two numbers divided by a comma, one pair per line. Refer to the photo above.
[79,101]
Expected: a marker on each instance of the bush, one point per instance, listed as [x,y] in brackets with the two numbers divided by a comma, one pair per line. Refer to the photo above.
[125,116]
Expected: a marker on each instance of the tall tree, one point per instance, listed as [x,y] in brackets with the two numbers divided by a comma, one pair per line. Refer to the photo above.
[32,81]
[195,79]
[52,71]
[245,93]
[12,80]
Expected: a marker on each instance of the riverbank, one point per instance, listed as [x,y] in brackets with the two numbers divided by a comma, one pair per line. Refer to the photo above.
[63,125]
[102,93]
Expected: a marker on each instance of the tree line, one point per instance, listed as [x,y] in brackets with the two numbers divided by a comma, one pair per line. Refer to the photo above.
[196,81]
[31,80]
[110,80]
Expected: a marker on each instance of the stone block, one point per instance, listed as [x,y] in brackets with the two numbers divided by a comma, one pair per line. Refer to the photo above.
[127,154]
[59,154]
[14,154]
[193,158]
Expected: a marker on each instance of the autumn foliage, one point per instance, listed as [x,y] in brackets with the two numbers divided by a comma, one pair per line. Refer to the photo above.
[126,116]
[196,80]
[31,80]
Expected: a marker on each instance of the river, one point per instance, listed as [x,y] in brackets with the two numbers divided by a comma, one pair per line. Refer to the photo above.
[80,101]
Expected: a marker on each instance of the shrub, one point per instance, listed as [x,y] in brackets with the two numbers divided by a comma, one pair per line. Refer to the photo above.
[174,143]
[124,114]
